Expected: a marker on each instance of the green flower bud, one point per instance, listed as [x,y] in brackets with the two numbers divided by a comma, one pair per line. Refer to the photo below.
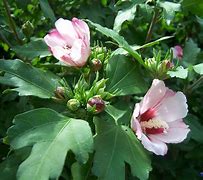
[73,104]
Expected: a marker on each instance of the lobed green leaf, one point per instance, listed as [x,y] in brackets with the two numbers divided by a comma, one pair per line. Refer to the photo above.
[52,135]
[116,145]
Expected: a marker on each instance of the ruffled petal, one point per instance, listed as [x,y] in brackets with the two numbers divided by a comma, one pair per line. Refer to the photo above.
[153,145]
[153,96]
[173,108]
[174,134]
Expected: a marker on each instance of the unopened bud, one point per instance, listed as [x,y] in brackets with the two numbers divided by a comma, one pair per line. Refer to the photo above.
[73,104]
[177,52]
[60,92]
[96,64]
[95,104]
[167,64]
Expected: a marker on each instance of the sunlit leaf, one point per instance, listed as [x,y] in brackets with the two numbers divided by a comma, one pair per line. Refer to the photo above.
[126,14]
[180,72]
[198,68]
[52,135]
[169,10]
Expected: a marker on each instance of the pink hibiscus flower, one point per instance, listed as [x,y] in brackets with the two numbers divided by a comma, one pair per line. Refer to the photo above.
[70,41]
[157,119]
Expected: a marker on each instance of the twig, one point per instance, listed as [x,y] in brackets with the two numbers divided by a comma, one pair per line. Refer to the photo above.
[194,84]
[153,22]
[11,22]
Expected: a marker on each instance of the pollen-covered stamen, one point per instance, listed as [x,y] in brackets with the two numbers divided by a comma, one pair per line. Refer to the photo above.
[147,115]
[154,126]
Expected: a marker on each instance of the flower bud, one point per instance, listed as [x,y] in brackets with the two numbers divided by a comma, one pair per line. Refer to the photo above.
[96,64]
[177,52]
[95,104]
[73,104]
[166,65]
[60,92]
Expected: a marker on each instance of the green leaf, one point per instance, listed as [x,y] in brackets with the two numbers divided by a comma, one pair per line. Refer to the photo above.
[23,3]
[52,135]
[114,112]
[198,68]
[32,50]
[169,10]
[127,14]
[180,72]
[136,47]
[9,166]
[47,10]
[190,53]
[119,39]
[195,127]
[28,80]
[82,172]
[116,145]
[124,76]
[194,6]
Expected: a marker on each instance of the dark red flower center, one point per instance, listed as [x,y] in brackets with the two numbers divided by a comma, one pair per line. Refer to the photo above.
[151,124]
[147,115]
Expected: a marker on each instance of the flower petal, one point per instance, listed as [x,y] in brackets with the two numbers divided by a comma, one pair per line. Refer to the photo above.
[54,39]
[66,30]
[81,28]
[153,96]
[62,55]
[173,108]
[176,133]
[153,145]
[135,125]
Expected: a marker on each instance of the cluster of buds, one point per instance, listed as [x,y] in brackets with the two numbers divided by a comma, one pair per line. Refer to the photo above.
[99,57]
[82,97]
[158,67]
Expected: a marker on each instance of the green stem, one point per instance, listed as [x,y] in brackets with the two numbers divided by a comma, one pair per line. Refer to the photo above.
[3,38]
[153,22]
[11,22]
[194,84]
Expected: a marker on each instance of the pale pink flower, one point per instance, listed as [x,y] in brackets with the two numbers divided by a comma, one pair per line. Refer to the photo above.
[157,119]
[177,52]
[70,41]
